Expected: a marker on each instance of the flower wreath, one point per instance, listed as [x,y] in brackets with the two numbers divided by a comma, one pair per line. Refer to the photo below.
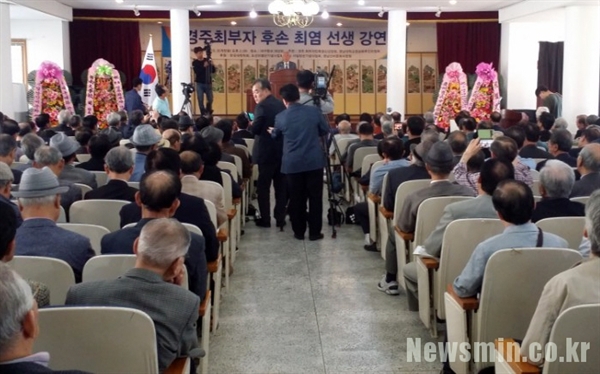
[51,93]
[104,93]
[453,95]
[485,97]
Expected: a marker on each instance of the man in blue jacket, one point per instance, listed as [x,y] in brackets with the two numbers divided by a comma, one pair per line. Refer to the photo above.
[133,100]
[303,161]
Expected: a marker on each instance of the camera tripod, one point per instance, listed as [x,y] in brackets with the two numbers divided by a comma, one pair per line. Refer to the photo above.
[187,105]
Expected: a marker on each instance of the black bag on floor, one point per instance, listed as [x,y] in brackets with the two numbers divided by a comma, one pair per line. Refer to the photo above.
[334,217]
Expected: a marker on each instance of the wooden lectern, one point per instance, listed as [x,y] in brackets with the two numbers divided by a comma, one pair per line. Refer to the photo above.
[278,79]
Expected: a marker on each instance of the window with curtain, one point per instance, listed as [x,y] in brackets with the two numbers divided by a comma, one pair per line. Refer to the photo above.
[550,65]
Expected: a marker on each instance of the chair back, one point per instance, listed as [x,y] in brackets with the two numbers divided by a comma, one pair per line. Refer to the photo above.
[568,228]
[17,163]
[405,189]
[98,339]
[250,144]
[535,174]
[231,168]
[101,177]
[536,187]
[460,239]
[24,160]
[97,212]
[343,145]
[56,274]
[580,324]
[107,267]
[84,188]
[429,214]
[227,190]
[212,211]
[92,232]
[83,157]
[238,166]
[246,150]
[538,160]
[360,154]
[135,185]
[62,216]
[369,160]
[512,284]
[581,199]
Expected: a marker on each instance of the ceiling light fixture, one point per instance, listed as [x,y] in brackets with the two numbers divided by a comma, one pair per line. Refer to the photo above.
[198,12]
[361,2]
[339,24]
[293,13]
[136,11]
[119,1]
[233,23]
[439,12]
[253,13]
[452,2]
[380,14]
[219,1]
[325,14]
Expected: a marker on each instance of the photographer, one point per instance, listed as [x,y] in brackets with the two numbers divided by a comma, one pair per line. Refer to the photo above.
[306,80]
[204,68]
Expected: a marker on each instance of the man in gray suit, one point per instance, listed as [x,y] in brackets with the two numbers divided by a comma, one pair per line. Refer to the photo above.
[50,157]
[68,150]
[153,286]
[438,162]
[492,172]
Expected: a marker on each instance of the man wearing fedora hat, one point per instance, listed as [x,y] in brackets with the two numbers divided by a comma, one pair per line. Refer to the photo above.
[39,202]
[50,157]
[68,149]
[145,139]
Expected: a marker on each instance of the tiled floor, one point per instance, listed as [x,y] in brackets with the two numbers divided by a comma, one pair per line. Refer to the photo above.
[312,307]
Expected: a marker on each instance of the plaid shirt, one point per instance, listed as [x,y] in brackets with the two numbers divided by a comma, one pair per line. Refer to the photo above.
[463,177]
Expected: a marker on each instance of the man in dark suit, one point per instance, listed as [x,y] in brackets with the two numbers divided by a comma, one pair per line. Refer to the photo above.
[530,148]
[242,122]
[561,142]
[153,287]
[158,198]
[588,165]
[99,146]
[8,151]
[191,209]
[133,100]
[556,183]
[302,128]
[19,326]
[415,126]
[267,153]
[118,167]
[39,202]
[286,63]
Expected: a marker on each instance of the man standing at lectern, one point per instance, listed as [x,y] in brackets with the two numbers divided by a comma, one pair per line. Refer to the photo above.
[267,153]
[306,80]
[286,63]
[204,69]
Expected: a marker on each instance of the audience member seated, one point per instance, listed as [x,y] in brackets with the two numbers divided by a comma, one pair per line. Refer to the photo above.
[227,146]
[211,172]
[29,144]
[390,150]
[211,134]
[50,157]
[496,118]
[588,165]
[365,139]
[196,143]
[118,167]
[192,168]
[42,121]
[39,202]
[581,125]
[438,162]
[387,127]
[241,132]
[556,183]
[513,200]
[153,286]
[344,128]
[559,146]
[415,126]
[90,123]
[503,148]
[186,125]
[530,146]
[174,138]
[168,124]
[145,139]
[83,137]
[468,126]
[6,181]
[560,124]
[545,122]
[75,123]
[517,133]
[8,152]
[191,210]
[68,148]
[590,134]
[99,146]
[573,287]
[19,326]
[64,117]
[158,198]
[458,144]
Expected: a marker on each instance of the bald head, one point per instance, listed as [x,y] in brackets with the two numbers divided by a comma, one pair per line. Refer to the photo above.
[174,138]
[191,163]
[344,127]
[589,159]
[159,191]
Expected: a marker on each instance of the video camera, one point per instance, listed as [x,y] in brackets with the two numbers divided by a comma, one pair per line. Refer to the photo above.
[208,50]
[320,85]
[188,89]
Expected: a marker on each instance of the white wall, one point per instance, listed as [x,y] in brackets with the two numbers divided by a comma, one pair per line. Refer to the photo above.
[520,50]
[46,41]
[421,37]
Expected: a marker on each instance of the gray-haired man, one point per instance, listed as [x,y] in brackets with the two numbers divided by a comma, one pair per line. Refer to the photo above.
[118,167]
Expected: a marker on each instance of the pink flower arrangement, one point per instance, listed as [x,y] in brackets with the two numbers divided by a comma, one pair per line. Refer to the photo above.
[485,97]
[51,93]
[452,97]
[104,93]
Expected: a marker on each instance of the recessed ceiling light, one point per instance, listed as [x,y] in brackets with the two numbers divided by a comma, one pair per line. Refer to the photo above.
[407,24]
[219,1]
[159,22]
[361,2]
[339,24]
[119,1]
[452,2]
[325,14]
[253,13]
[233,23]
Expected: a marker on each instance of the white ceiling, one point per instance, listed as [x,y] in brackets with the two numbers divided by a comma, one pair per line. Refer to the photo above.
[261,5]
[24,13]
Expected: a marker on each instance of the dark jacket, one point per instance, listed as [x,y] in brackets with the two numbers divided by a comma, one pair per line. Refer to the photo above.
[94,164]
[33,368]
[398,176]
[64,128]
[202,72]
[133,101]
[564,157]
[121,242]
[301,128]
[16,175]
[242,134]
[266,149]
[113,190]
[532,151]
[407,145]
[560,207]
[586,185]
[191,210]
